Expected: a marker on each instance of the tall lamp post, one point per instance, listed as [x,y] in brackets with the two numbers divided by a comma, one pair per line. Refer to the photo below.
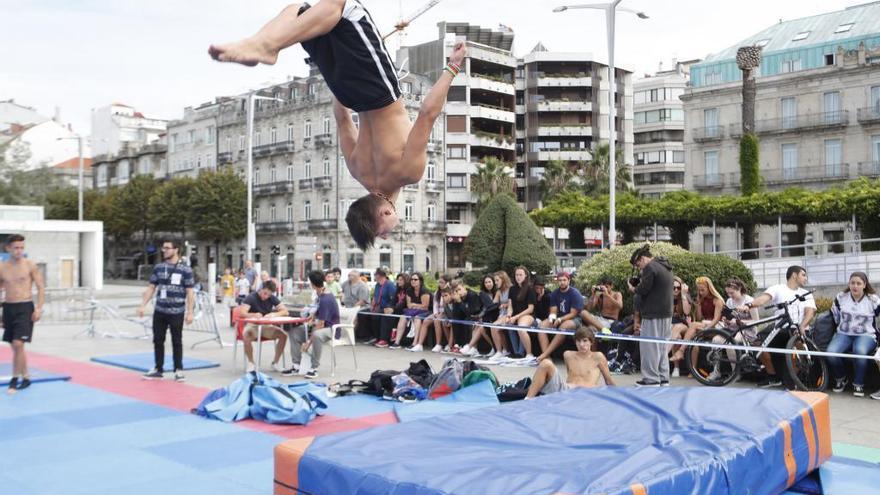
[79,140]
[610,10]
[251,229]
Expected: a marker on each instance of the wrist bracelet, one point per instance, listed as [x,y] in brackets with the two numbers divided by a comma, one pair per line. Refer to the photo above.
[453,69]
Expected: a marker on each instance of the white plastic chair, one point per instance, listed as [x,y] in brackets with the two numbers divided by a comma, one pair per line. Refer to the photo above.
[345,327]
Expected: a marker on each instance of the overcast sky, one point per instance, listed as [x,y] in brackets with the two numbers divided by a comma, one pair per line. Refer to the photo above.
[151,54]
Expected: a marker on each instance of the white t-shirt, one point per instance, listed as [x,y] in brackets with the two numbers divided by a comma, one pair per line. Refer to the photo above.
[244,287]
[856,318]
[744,315]
[782,293]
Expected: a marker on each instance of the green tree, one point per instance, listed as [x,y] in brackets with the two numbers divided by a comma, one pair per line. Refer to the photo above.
[170,206]
[750,183]
[596,172]
[504,236]
[493,177]
[557,179]
[63,204]
[219,207]
[18,184]
[132,205]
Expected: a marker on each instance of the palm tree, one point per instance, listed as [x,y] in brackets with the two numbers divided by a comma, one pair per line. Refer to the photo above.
[557,179]
[594,174]
[493,177]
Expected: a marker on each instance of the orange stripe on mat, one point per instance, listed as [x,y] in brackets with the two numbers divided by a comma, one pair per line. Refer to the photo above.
[821,411]
[810,436]
[638,489]
[788,454]
[287,457]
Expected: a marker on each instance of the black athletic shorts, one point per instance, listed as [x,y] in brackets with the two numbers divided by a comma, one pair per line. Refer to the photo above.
[354,62]
[17,324]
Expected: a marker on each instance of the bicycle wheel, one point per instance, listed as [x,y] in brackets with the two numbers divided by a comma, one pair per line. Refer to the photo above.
[808,373]
[710,366]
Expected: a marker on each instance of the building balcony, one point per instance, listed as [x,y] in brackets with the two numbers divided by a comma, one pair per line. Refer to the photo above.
[276,227]
[434,226]
[492,140]
[318,225]
[262,150]
[484,111]
[281,148]
[322,140]
[458,195]
[277,187]
[801,123]
[870,115]
[492,83]
[433,186]
[564,79]
[560,106]
[457,228]
[435,146]
[567,155]
[710,181]
[869,169]
[224,158]
[325,182]
[565,130]
[795,175]
[708,133]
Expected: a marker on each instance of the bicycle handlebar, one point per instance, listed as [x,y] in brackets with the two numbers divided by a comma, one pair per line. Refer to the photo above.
[798,297]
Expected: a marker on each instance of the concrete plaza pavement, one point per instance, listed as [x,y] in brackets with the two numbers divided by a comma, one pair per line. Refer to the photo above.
[853,419]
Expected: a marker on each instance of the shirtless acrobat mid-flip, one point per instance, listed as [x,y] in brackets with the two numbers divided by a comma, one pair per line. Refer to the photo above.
[18,275]
[386,151]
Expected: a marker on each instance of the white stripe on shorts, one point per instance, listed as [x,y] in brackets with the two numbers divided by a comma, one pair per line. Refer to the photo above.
[353,12]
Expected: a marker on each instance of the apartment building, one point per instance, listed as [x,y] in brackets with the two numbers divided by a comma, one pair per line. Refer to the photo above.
[817,114]
[192,141]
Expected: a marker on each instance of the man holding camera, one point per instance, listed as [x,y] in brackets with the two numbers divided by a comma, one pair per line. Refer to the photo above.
[653,300]
[606,302]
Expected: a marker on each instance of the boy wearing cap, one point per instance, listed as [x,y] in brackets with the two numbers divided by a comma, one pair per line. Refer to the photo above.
[566,305]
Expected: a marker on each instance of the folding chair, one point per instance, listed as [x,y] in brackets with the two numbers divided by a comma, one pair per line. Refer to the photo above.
[239,336]
[345,328]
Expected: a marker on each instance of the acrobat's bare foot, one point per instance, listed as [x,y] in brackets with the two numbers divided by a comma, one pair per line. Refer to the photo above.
[249,52]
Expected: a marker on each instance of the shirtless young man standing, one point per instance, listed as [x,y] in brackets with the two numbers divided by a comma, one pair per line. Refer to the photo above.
[386,151]
[18,275]
[584,368]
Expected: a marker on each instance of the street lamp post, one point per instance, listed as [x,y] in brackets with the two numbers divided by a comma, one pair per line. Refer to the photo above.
[79,140]
[610,12]
[251,229]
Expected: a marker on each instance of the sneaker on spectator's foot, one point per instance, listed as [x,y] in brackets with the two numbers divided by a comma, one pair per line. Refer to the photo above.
[664,383]
[290,371]
[875,395]
[394,345]
[153,374]
[504,353]
[416,348]
[311,374]
[446,349]
[676,372]
[251,367]
[839,384]
[647,383]
[277,367]
[381,343]
[466,350]
[370,342]
[858,390]
[437,348]
[770,382]
[714,376]
[497,357]
[179,376]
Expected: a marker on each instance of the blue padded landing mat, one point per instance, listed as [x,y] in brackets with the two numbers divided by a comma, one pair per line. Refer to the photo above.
[37,375]
[476,396]
[614,440]
[841,475]
[145,361]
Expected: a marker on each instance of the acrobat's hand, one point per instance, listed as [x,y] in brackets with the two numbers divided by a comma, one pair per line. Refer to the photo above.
[459,52]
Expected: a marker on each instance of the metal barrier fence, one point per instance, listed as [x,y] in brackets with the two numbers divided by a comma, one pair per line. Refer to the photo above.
[66,305]
[205,320]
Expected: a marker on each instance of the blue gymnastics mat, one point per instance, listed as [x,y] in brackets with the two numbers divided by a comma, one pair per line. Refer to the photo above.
[37,375]
[144,362]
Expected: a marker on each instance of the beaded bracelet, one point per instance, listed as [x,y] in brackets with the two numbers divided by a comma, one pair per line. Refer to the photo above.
[453,69]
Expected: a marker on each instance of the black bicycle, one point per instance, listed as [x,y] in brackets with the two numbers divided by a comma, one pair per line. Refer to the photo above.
[718,367]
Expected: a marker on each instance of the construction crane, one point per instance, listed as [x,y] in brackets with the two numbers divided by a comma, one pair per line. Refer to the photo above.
[404,22]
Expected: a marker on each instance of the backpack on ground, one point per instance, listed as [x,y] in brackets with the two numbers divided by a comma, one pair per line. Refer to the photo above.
[448,380]
[512,391]
[381,383]
[421,373]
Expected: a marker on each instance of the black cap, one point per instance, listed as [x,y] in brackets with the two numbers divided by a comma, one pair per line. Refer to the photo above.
[642,251]
[538,280]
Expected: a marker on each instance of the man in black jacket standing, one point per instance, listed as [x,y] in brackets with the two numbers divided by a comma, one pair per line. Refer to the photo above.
[653,300]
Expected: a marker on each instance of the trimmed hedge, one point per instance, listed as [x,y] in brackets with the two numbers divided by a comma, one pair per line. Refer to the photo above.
[685,264]
[504,236]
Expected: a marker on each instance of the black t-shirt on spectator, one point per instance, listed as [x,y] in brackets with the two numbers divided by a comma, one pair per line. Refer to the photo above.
[417,298]
[542,307]
[258,305]
[520,306]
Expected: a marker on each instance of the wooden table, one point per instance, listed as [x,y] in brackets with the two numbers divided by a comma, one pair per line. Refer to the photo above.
[277,321]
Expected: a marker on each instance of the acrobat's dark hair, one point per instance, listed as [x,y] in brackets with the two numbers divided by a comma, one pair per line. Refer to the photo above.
[363,221]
